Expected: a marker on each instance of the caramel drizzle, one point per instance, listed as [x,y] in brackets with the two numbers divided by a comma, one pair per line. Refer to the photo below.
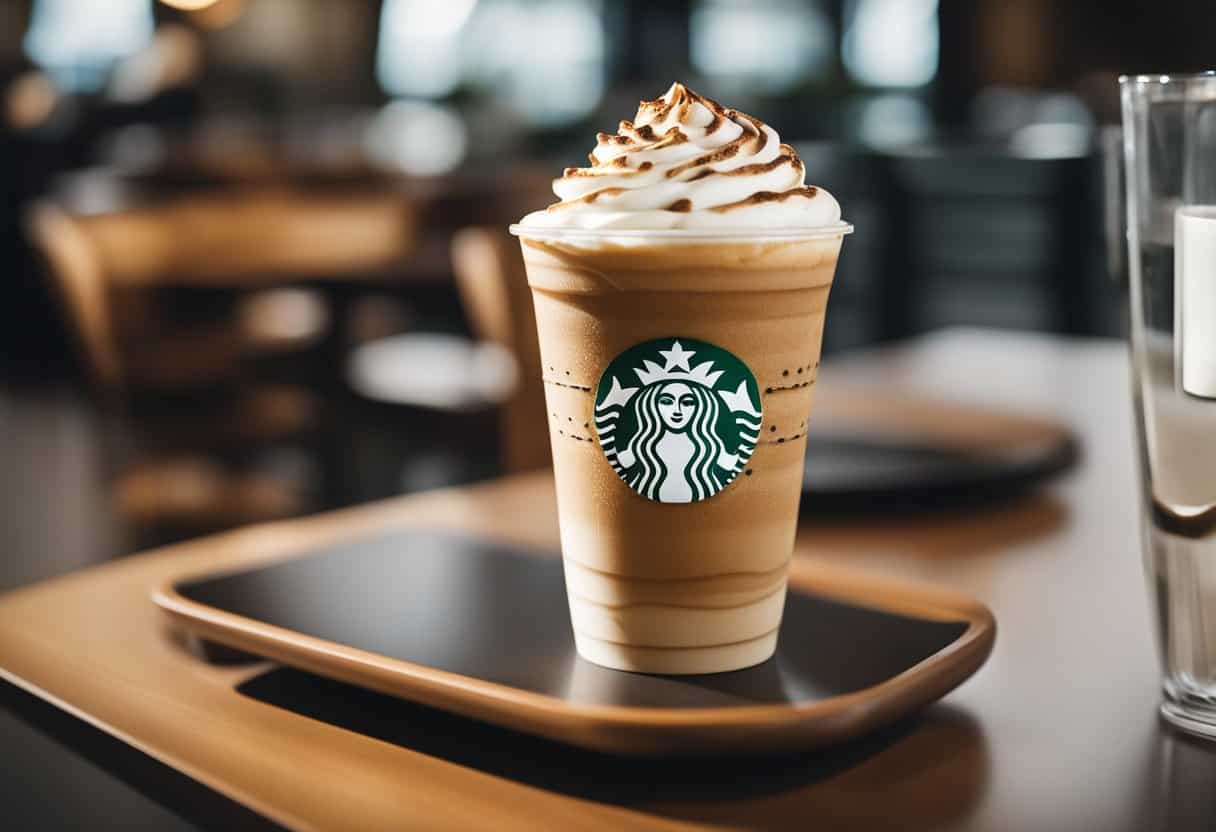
[671,138]
[586,199]
[645,133]
[760,197]
[752,132]
[683,98]
[752,170]
[630,135]
[674,136]
[619,167]
[611,138]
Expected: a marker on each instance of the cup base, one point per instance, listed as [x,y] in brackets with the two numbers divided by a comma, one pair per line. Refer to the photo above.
[676,661]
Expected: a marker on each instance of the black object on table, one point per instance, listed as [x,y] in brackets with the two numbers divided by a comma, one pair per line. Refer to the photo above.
[856,475]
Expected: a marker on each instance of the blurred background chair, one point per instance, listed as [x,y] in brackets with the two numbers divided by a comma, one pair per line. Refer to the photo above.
[192,319]
[494,290]
[109,267]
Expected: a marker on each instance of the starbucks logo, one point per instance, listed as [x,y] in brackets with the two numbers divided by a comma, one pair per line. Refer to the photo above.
[677,418]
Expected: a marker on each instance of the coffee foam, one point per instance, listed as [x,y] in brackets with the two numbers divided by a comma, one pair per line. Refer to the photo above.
[687,162]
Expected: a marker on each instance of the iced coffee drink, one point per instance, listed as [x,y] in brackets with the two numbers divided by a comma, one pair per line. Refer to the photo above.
[680,285]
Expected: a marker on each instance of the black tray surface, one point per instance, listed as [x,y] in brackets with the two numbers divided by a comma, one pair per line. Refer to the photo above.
[498,613]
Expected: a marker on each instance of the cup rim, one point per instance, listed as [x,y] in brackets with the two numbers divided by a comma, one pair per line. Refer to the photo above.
[1163,78]
[715,235]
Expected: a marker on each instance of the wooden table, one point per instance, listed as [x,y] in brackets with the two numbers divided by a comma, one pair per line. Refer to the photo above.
[1059,731]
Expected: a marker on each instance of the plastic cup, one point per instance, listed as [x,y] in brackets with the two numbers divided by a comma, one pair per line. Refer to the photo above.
[679,371]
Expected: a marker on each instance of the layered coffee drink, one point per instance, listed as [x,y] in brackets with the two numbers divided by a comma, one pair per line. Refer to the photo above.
[680,285]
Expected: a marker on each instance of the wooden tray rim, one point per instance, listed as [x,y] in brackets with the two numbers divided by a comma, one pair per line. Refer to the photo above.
[469,696]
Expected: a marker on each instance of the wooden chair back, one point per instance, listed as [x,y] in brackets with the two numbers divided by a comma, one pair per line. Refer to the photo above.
[494,290]
[78,281]
[247,237]
[239,239]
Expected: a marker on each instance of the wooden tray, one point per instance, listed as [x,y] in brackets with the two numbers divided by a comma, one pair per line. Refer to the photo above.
[480,628]
[313,754]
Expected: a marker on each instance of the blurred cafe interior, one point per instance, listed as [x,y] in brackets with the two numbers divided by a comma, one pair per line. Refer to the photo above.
[254,260]
[245,241]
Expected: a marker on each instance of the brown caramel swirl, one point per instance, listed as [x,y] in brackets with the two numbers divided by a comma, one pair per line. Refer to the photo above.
[685,161]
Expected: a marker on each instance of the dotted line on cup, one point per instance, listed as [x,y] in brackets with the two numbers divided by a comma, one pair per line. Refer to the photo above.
[800,370]
[567,383]
[778,388]
[781,440]
[569,386]
[570,434]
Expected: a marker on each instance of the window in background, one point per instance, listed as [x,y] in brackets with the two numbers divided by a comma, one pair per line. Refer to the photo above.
[419,52]
[1037,124]
[77,42]
[769,46]
[891,43]
[890,120]
[545,60]
[416,137]
[542,59]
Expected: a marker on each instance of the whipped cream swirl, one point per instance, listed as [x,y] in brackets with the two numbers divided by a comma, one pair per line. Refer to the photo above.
[685,161]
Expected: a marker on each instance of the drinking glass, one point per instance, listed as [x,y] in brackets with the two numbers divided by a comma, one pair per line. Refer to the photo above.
[1169,150]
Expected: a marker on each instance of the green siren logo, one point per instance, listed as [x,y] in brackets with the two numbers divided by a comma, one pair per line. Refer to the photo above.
[677,418]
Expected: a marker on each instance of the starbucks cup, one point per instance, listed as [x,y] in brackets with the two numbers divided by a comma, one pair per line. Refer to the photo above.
[679,368]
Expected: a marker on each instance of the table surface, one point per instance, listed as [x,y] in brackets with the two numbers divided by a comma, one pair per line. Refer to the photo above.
[1058,731]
